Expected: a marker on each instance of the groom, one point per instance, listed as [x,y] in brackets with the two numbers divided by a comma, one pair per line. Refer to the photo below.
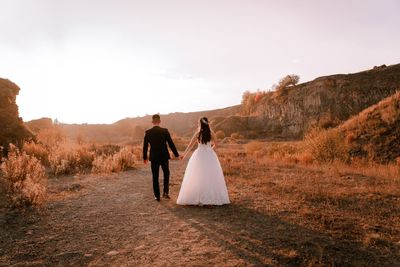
[158,138]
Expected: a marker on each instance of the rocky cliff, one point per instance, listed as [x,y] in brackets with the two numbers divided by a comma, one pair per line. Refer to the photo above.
[326,101]
[12,129]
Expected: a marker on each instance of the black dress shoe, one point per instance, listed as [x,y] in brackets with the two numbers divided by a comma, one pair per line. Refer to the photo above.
[166,196]
[157,198]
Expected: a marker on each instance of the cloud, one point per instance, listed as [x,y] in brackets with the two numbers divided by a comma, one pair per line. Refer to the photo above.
[296,60]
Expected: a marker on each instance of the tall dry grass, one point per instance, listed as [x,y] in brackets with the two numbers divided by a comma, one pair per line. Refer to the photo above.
[23,179]
[326,146]
[120,161]
[355,202]
[38,151]
[70,159]
[322,149]
[67,158]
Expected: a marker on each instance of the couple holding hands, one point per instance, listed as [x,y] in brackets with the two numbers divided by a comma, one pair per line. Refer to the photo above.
[203,182]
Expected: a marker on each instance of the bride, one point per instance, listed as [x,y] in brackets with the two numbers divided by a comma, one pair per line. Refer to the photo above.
[203,182]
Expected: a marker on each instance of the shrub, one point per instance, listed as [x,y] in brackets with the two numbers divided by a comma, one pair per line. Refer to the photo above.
[38,151]
[70,159]
[236,136]
[249,100]
[288,80]
[103,164]
[120,161]
[105,149]
[23,179]
[326,145]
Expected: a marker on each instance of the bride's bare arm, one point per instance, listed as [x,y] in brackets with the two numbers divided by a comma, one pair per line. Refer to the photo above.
[191,144]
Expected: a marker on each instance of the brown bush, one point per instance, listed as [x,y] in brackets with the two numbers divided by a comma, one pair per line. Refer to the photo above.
[70,159]
[23,179]
[107,149]
[236,136]
[118,162]
[326,145]
[38,151]
[249,100]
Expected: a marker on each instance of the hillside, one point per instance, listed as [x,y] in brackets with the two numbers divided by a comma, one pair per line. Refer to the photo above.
[375,132]
[326,101]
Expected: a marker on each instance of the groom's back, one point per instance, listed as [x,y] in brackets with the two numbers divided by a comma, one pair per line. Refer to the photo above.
[158,137]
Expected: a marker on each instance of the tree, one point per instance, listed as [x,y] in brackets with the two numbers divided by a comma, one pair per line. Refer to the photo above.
[247,101]
[288,80]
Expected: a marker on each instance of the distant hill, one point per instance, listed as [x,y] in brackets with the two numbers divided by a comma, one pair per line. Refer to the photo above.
[326,101]
[182,124]
[375,132]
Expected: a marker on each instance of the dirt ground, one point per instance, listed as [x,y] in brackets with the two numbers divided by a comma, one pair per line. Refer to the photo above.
[113,220]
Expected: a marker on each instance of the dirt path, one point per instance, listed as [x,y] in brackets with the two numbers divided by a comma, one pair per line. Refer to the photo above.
[113,220]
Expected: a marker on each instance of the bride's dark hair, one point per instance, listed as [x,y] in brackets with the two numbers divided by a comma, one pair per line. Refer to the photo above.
[205,132]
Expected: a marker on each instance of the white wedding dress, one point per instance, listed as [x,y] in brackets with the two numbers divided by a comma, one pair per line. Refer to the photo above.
[203,182]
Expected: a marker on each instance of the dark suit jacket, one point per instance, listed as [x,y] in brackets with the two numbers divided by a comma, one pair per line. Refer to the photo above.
[158,138]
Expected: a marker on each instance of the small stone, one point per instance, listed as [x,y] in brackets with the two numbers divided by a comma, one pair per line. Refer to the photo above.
[112,253]
[29,232]
[88,255]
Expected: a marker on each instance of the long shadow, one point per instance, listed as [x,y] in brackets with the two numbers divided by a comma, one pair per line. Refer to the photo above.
[263,240]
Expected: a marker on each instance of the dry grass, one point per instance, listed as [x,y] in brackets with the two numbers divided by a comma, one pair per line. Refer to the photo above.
[23,179]
[70,159]
[273,150]
[356,202]
[326,145]
[38,151]
[329,156]
[64,158]
[121,161]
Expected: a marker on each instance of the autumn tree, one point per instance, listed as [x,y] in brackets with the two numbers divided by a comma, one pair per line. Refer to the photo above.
[288,80]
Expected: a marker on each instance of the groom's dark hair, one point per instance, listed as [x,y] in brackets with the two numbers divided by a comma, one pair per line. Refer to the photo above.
[156,118]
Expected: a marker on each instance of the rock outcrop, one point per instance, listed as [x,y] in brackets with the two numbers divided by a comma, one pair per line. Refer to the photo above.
[326,101]
[12,129]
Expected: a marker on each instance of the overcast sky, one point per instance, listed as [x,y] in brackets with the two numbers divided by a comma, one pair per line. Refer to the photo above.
[100,61]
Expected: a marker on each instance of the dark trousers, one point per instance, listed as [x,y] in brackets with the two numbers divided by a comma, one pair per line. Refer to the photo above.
[155,169]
